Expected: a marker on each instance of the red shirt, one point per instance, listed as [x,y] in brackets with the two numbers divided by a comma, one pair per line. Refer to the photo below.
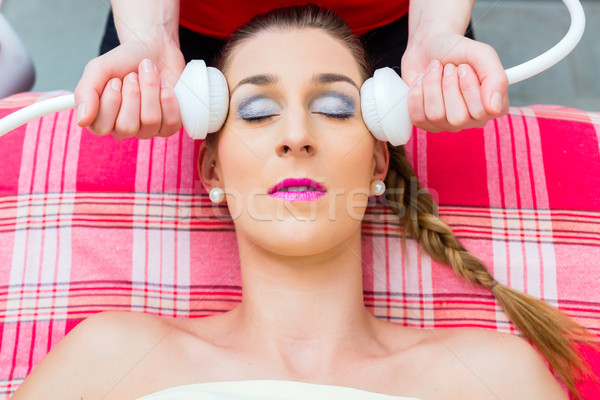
[219,18]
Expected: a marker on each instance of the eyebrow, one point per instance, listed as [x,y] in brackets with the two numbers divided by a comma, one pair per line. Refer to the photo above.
[271,79]
[331,78]
[259,80]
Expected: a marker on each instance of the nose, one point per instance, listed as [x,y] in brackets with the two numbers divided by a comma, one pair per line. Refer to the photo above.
[297,136]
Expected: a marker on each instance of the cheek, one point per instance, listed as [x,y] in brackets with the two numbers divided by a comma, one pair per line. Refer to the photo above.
[354,154]
[242,164]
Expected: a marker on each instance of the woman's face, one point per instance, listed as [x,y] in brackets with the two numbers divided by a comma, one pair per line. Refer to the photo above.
[294,156]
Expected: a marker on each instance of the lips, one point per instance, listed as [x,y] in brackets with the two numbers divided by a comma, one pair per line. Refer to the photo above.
[294,189]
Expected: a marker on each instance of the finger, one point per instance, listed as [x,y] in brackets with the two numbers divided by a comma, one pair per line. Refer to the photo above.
[416,108]
[171,119]
[471,92]
[128,120]
[433,98]
[457,114]
[415,102]
[494,83]
[110,102]
[150,112]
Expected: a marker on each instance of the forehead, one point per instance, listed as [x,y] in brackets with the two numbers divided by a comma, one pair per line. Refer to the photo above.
[292,54]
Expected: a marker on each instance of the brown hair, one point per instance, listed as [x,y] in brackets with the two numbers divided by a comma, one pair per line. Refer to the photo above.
[546,327]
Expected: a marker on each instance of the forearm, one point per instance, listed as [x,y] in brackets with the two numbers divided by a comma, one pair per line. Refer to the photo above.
[147,20]
[426,16]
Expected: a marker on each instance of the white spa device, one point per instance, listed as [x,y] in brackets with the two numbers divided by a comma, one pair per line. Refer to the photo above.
[203,96]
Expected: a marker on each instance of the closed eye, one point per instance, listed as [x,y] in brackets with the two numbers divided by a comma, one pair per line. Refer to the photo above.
[335,115]
[258,118]
[258,108]
[334,105]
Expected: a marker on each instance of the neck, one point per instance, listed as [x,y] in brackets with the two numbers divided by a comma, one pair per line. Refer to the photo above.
[304,308]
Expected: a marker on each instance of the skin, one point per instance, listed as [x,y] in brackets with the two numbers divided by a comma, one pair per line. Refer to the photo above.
[457,83]
[109,100]
[302,315]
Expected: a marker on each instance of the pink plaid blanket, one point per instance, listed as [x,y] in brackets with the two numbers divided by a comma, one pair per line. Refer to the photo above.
[90,224]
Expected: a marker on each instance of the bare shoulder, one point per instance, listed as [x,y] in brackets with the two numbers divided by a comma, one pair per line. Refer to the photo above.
[497,365]
[102,346]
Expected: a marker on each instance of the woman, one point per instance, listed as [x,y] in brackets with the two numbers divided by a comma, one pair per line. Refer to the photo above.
[297,165]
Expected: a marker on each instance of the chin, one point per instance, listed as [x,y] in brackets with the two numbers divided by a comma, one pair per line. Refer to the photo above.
[304,238]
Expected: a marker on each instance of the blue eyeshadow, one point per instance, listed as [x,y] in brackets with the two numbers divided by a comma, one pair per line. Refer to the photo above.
[257,106]
[334,104]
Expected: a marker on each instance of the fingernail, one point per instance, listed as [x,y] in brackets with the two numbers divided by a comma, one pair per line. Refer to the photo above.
[132,77]
[115,84]
[448,69]
[147,66]
[462,71]
[496,102]
[433,66]
[420,79]
[80,112]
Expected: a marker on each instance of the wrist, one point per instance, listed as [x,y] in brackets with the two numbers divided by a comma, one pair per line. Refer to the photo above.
[149,21]
[430,18]
[158,34]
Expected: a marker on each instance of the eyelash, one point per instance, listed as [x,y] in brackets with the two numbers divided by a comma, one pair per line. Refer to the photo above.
[336,116]
[253,120]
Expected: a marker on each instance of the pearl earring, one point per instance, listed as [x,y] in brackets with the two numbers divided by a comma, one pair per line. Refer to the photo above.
[377,187]
[216,195]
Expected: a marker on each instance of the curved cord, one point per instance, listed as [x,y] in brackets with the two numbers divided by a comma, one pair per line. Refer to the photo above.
[34,111]
[556,53]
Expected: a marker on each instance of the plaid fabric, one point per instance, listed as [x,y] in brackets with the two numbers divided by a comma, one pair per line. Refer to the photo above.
[89,224]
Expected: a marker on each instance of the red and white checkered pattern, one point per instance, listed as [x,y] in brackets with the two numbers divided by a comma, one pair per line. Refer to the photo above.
[89,224]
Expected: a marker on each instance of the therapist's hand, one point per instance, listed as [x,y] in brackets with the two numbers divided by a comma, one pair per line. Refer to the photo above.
[456,83]
[128,91]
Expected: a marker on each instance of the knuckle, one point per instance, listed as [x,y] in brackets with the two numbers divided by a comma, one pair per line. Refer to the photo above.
[417,115]
[125,130]
[149,79]
[433,128]
[167,131]
[436,116]
[467,85]
[150,121]
[92,66]
[447,83]
[167,95]
[103,131]
[98,129]
[480,124]
[418,118]
[170,125]
[147,133]
[480,115]
[458,121]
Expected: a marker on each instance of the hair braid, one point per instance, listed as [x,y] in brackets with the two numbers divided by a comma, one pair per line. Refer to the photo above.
[547,328]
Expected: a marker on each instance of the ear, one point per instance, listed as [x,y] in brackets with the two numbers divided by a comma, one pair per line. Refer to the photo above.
[208,167]
[381,160]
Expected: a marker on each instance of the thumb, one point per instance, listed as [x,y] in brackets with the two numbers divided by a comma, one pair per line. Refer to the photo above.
[411,69]
[494,82]
[171,70]
[94,79]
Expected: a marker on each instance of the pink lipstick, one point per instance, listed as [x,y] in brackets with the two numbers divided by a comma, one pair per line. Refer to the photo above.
[293,189]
